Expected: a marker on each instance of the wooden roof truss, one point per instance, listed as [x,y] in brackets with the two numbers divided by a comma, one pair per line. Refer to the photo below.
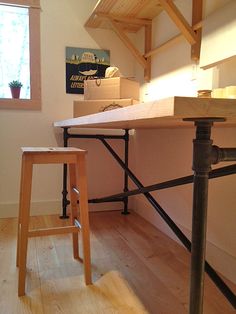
[129,16]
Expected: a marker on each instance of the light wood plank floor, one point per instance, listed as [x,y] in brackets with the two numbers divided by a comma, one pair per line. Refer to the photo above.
[156,267]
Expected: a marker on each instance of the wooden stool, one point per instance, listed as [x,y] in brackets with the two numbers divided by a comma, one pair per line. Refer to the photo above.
[75,158]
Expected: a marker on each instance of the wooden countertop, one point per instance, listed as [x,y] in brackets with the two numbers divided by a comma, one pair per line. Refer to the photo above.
[164,113]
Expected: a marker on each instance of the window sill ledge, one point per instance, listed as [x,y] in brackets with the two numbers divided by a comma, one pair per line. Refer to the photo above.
[25,104]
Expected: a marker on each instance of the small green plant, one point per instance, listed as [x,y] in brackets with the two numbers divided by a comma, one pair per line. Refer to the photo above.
[15,84]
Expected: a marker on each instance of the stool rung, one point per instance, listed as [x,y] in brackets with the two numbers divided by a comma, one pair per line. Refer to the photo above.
[52,231]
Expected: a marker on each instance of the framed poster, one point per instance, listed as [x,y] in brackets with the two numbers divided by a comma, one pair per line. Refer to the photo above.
[84,64]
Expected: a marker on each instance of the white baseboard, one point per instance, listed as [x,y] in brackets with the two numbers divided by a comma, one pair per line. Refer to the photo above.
[8,210]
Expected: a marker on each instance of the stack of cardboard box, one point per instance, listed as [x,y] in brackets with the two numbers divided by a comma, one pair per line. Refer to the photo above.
[106,94]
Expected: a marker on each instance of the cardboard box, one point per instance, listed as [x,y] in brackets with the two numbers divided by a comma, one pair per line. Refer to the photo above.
[85,107]
[111,88]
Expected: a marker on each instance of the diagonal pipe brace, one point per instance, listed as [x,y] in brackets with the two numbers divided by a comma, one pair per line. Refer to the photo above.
[226,291]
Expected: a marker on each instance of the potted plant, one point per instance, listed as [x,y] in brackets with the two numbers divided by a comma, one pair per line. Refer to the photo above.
[15,87]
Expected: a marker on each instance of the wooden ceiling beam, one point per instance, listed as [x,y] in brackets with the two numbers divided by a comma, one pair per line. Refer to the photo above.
[171,41]
[148,47]
[196,18]
[127,20]
[179,20]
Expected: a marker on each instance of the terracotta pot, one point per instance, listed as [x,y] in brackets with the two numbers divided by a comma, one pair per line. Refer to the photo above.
[15,92]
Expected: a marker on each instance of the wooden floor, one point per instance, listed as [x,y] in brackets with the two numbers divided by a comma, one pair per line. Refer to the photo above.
[156,268]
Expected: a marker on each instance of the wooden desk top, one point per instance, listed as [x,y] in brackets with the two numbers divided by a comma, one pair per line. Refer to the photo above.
[164,113]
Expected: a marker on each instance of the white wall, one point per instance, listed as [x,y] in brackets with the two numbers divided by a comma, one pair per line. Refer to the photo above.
[61,25]
[165,154]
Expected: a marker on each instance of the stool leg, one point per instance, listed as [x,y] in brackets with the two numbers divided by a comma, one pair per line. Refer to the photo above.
[20,214]
[24,221]
[84,217]
[74,208]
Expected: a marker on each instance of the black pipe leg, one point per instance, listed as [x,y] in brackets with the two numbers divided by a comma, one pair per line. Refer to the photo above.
[66,137]
[198,243]
[65,201]
[126,189]
[202,160]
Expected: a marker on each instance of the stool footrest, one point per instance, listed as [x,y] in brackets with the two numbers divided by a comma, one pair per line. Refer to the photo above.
[52,231]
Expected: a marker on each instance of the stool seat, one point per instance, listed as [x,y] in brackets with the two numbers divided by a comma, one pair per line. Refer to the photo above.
[40,150]
[75,159]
